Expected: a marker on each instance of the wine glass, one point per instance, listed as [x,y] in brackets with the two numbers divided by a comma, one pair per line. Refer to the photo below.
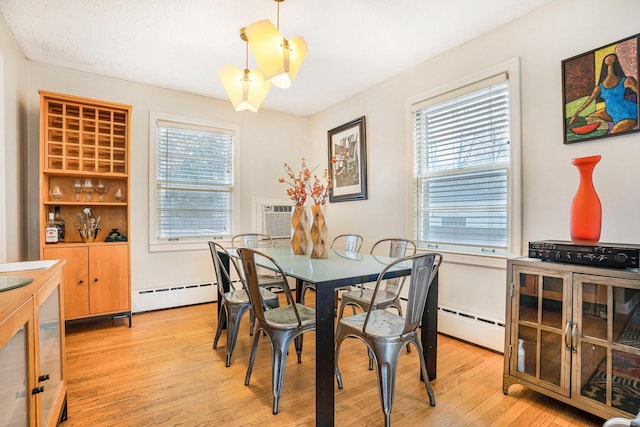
[87,187]
[56,193]
[100,189]
[77,188]
[119,195]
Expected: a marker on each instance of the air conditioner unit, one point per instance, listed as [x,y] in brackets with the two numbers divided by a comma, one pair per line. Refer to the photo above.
[276,221]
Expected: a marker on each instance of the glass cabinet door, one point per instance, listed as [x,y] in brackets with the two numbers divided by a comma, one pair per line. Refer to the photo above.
[608,348]
[542,317]
[15,402]
[50,374]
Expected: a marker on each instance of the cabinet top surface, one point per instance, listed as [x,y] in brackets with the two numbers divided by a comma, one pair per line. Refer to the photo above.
[80,99]
[12,299]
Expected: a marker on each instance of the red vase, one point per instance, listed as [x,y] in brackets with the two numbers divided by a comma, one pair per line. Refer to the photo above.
[586,210]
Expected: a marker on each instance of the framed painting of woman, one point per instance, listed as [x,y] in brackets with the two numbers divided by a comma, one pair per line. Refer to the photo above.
[600,92]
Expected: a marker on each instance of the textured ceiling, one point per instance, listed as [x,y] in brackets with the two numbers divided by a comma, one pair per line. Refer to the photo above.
[180,44]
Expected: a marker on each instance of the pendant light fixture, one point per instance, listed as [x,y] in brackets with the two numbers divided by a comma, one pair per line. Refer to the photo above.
[246,89]
[278,58]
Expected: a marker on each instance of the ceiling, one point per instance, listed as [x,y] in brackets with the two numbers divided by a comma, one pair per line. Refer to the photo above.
[181,44]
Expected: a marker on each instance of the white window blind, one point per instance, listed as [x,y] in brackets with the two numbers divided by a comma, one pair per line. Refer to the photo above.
[462,168]
[194,181]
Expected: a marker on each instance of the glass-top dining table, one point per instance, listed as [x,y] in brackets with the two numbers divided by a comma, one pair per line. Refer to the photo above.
[342,269]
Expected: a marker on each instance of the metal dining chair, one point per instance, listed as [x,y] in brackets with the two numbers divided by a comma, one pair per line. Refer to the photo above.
[388,294]
[234,302]
[267,279]
[351,243]
[385,333]
[281,325]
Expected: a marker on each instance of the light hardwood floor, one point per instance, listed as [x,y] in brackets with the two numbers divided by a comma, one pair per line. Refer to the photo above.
[164,372]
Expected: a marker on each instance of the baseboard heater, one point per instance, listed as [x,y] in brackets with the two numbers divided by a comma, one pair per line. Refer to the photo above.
[471,327]
[173,296]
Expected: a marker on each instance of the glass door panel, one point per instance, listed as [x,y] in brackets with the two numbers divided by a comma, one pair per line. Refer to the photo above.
[625,386]
[50,352]
[551,347]
[594,310]
[14,395]
[593,372]
[526,354]
[552,306]
[528,296]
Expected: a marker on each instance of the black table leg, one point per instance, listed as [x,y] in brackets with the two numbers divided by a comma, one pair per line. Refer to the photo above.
[325,355]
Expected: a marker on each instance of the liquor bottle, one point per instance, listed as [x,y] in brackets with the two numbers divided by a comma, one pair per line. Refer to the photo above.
[51,232]
[59,223]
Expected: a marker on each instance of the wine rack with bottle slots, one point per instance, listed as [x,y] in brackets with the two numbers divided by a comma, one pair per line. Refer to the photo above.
[84,168]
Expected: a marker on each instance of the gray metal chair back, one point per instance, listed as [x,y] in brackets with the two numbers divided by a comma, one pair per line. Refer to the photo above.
[385,333]
[397,248]
[281,325]
[352,242]
[251,240]
[233,299]
[267,279]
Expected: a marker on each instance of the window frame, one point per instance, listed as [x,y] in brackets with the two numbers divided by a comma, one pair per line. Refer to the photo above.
[452,89]
[157,244]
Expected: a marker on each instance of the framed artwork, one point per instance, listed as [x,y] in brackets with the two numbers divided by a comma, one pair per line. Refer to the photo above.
[347,144]
[600,92]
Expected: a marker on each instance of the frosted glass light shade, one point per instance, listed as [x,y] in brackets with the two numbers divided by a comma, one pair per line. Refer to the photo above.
[279,59]
[246,89]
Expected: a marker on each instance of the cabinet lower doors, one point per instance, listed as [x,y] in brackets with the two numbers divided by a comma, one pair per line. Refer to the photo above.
[96,279]
[608,350]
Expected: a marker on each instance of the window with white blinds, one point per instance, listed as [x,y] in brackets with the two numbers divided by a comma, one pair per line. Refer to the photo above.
[462,168]
[193,181]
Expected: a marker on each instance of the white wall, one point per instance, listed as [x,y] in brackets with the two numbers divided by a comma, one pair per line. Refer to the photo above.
[266,140]
[12,147]
[542,39]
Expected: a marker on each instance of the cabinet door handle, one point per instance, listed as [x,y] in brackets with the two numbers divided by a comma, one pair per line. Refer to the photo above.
[80,282]
[44,377]
[37,390]
[567,342]
[573,337]
[95,280]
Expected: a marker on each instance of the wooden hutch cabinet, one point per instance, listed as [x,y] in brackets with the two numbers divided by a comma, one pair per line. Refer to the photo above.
[84,173]
[572,333]
[33,379]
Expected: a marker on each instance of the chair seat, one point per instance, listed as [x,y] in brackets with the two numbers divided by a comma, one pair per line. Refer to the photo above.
[382,324]
[285,318]
[364,296]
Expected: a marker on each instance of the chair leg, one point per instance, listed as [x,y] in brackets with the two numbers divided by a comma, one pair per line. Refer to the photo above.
[252,321]
[233,323]
[223,307]
[386,364]
[279,360]
[339,340]
[252,358]
[423,369]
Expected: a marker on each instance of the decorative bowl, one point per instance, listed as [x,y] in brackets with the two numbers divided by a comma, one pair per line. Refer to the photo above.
[88,235]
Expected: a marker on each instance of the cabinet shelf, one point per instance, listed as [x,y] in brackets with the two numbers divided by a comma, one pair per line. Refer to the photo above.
[81,204]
